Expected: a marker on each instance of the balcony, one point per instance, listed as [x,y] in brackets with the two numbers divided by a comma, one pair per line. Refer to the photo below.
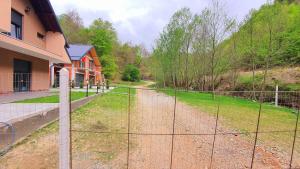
[20,46]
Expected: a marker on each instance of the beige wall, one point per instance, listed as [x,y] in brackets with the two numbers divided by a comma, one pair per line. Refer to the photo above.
[40,71]
[31,23]
[52,42]
[55,42]
[5,13]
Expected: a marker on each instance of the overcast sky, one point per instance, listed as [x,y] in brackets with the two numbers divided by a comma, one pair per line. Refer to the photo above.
[141,21]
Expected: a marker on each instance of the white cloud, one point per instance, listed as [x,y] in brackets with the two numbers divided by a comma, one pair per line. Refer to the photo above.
[141,21]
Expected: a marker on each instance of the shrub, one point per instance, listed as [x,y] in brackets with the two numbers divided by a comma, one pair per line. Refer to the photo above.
[131,73]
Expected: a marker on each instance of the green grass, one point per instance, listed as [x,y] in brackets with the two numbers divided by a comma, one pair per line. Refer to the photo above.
[293,87]
[55,98]
[91,124]
[241,115]
[247,79]
[107,113]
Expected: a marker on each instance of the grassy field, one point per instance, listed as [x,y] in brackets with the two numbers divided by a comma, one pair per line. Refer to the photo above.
[104,116]
[241,115]
[93,138]
[55,98]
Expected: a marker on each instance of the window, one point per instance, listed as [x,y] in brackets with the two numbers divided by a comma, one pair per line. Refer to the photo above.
[91,65]
[82,65]
[16,25]
[40,36]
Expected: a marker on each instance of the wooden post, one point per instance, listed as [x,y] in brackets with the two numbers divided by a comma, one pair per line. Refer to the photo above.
[64,123]
[276,96]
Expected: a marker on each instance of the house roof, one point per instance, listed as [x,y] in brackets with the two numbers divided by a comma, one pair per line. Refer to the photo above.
[46,14]
[77,51]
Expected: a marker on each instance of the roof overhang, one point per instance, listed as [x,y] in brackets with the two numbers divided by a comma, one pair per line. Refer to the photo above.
[45,12]
[19,46]
[95,57]
[47,16]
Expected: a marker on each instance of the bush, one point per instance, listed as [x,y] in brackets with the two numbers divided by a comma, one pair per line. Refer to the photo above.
[131,73]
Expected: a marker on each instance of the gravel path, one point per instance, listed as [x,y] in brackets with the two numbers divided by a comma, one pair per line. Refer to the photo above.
[154,117]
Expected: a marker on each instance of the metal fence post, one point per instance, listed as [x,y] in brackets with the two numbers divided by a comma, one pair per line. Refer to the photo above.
[257,129]
[70,112]
[103,87]
[64,121]
[215,133]
[97,87]
[87,88]
[276,96]
[128,127]
[173,127]
[294,140]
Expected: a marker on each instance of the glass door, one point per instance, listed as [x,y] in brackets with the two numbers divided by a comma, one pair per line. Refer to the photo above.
[22,75]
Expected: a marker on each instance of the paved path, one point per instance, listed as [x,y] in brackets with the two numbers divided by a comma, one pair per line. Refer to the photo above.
[12,112]
[13,97]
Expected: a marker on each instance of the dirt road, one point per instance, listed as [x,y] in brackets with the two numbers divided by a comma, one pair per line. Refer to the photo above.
[152,146]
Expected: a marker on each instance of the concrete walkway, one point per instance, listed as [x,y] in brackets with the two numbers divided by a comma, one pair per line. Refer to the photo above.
[12,112]
[13,97]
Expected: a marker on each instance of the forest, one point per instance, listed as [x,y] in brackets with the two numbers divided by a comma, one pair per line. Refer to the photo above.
[201,51]
[118,60]
[207,51]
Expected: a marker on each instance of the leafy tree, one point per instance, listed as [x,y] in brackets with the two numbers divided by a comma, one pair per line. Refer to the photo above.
[73,27]
[102,36]
[131,73]
[109,66]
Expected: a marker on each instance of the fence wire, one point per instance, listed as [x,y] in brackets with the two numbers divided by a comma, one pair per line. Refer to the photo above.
[136,128]
[152,128]
[29,110]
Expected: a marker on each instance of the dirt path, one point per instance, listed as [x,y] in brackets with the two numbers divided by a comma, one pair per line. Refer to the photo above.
[154,114]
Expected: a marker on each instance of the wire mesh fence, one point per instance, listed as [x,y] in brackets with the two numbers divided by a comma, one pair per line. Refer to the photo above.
[24,110]
[29,110]
[151,128]
[133,128]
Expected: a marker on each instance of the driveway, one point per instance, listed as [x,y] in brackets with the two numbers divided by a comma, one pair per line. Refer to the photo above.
[153,117]
[12,112]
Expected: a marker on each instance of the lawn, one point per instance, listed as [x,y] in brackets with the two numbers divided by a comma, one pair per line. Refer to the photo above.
[240,115]
[94,138]
[55,98]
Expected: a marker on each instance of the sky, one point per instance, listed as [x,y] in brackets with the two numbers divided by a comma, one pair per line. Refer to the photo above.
[141,21]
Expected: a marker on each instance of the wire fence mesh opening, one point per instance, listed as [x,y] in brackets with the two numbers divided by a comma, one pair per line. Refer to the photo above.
[152,128]
[133,128]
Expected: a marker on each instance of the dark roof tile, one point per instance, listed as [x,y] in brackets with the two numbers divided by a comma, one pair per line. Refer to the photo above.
[77,51]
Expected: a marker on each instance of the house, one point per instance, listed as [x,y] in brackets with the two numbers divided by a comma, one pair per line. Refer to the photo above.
[30,39]
[85,68]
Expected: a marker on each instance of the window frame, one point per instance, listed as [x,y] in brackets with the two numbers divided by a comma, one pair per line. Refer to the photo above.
[91,65]
[82,64]
[18,29]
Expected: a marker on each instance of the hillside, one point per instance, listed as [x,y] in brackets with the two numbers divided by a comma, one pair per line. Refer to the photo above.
[196,50]
[272,31]
[287,78]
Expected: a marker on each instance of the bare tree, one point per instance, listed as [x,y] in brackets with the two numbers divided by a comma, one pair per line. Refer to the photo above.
[218,28]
